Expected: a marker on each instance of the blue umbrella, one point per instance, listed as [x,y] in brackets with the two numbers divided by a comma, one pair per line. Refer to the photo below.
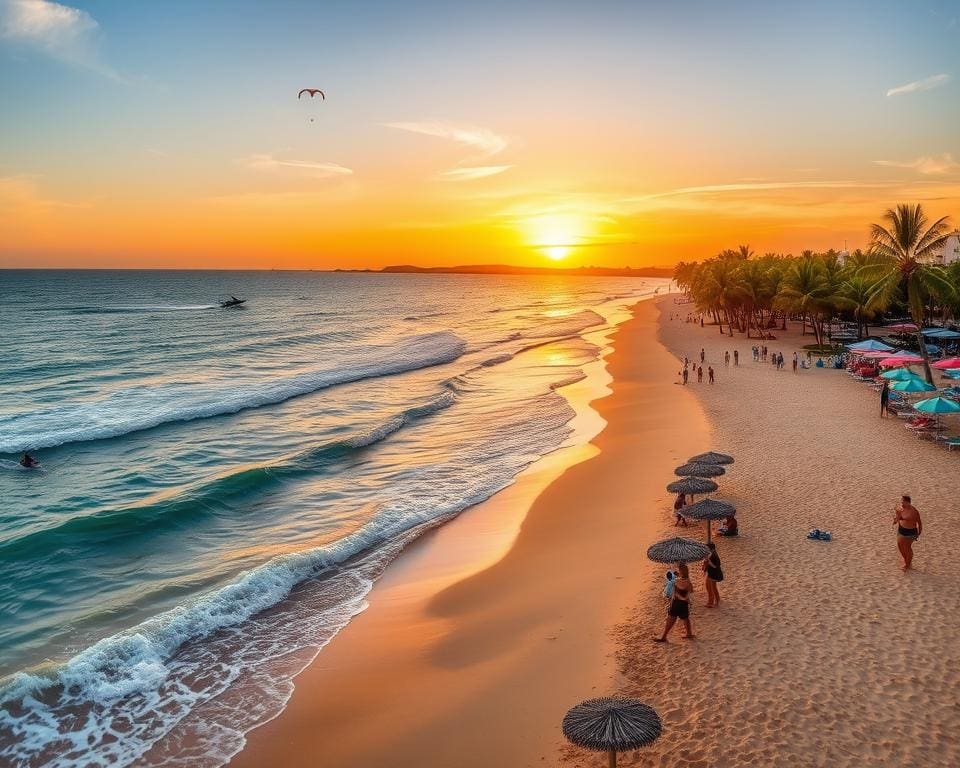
[870,345]
[912,385]
[899,374]
[938,405]
[943,333]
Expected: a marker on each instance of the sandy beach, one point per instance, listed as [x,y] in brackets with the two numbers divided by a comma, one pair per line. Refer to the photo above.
[820,654]
[469,655]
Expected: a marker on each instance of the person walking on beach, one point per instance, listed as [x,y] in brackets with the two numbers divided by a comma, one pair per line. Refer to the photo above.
[909,527]
[686,374]
[679,604]
[699,374]
[736,358]
[713,574]
[884,398]
[795,361]
[726,358]
[710,373]
[678,504]
[702,356]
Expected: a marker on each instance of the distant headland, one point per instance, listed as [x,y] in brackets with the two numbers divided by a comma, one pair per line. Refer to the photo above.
[505,269]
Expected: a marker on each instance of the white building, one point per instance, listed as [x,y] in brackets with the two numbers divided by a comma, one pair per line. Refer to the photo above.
[951,249]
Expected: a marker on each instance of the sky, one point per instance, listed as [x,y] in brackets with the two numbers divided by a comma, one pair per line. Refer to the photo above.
[170,134]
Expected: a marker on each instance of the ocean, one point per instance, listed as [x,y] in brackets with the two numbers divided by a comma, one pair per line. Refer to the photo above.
[219,488]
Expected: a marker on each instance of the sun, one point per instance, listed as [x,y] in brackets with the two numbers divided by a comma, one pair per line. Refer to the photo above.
[555,235]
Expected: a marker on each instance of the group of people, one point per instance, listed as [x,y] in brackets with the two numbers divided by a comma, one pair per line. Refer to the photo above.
[679,588]
[689,367]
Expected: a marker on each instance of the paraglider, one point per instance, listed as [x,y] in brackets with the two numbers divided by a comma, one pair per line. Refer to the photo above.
[311,95]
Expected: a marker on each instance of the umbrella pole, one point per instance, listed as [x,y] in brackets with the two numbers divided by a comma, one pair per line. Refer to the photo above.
[613,758]
[708,531]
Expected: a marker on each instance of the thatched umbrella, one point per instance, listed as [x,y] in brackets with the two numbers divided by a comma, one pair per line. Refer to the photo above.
[709,509]
[692,485]
[677,550]
[696,469]
[612,724]
[711,457]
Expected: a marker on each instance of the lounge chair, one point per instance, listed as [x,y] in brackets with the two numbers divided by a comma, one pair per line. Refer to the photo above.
[950,441]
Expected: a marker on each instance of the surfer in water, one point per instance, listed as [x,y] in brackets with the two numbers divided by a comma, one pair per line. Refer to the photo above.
[28,461]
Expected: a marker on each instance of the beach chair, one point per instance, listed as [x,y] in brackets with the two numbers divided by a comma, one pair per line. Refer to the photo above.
[949,441]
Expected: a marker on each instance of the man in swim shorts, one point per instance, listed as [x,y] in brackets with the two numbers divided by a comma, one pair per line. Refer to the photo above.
[909,527]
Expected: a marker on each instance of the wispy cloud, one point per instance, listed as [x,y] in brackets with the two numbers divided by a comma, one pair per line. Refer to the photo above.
[59,31]
[482,139]
[927,165]
[318,170]
[475,172]
[927,84]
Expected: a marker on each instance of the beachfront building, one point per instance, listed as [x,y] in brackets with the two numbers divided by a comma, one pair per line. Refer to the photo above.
[951,249]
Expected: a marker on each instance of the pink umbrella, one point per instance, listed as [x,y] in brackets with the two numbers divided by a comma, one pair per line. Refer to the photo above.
[901,327]
[950,362]
[875,354]
[895,362]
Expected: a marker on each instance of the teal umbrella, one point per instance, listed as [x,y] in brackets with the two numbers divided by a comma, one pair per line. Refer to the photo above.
[938,405]
[912,385]
[899,374]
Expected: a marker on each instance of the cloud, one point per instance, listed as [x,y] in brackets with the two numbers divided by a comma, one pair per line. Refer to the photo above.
[482,139]
[927,165]
[927,84]
[62,32]
[475,172]
[270,164]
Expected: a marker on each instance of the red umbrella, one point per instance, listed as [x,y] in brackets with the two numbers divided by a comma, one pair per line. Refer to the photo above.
[950,362]
[901,327]
[895,362]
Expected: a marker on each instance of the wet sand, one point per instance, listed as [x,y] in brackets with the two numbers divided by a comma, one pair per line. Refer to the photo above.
[480,636]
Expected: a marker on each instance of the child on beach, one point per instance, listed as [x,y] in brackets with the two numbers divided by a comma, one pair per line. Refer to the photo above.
[679,503]
[670,584]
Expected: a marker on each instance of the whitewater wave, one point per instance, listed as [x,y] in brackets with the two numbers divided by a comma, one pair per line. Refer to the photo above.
[208,496]
[144,407]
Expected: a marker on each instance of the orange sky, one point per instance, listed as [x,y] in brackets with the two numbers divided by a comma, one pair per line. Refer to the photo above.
[450,137]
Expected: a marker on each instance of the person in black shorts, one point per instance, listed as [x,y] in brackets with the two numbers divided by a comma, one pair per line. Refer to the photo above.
[713,573]
[679,605]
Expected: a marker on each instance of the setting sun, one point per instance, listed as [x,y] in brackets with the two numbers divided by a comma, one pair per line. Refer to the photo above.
[555,235]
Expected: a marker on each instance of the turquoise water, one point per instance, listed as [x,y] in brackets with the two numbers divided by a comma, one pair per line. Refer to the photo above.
[220,487]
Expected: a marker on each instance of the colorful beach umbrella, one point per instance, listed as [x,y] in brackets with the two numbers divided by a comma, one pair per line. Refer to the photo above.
[902,327]
[893,362]
[899,374]
[950,362]
[711,457]
[912,385]
[612,724]
[938,405]
[943,333]
[870,345]
[677,550]
[696,469]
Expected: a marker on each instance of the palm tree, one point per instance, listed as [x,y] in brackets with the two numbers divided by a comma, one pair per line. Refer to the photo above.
[806,289]
[911,247]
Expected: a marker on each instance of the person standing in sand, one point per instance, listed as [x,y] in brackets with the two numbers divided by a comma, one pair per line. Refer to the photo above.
[679,604]
[710,373]
[884,398]
[713,574]
[686,374]
[699,374]
[909,527]
[726,359]
[736,358]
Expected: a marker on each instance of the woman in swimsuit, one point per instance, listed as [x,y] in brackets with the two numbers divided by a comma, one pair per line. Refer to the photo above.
[713,574]
[680,604]
[909,527]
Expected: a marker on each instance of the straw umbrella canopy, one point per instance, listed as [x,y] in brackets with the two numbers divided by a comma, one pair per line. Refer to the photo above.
[711,457]
[698,469]
[692,485]
[677,550]
[709,509]
[612,724]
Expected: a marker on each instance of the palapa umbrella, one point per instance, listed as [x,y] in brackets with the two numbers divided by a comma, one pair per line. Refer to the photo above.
[899,374]
[696,469]
[912,385]
[950,362]
[677,550]
[692,485]
[612,724]
[709,509]
[711,457]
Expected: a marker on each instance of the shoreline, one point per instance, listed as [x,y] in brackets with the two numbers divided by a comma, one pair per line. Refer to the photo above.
[493,635]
